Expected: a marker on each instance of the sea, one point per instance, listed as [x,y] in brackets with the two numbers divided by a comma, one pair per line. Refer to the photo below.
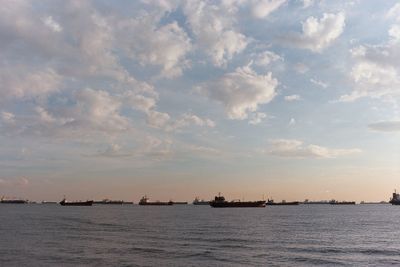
[187,235]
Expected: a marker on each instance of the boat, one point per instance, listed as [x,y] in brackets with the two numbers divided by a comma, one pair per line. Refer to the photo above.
[307,202]
[144,201]
[13,201]
[49,202]
[64,202]
[220,202]
[179,202]
[271,202]
[335,202]
[197,201]
[109,202]
[395,200]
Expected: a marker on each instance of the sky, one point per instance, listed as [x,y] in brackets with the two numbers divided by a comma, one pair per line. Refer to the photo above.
[175,99]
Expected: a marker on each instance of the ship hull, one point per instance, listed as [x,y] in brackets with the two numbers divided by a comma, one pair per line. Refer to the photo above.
[13,201]
[83,203]
[205,203]
[248,204]
[295,203]
[156,204]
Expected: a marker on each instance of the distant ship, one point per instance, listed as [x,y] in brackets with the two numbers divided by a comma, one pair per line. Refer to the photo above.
[144,201]
[76,203]
[197,201]
[335,202]
[179,202]
[271,202]
[49,202]
[13,201]
[220,202]
[109,202]
[307,202]
[395,200]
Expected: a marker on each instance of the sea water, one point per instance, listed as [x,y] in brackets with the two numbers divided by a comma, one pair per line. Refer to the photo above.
[187,235]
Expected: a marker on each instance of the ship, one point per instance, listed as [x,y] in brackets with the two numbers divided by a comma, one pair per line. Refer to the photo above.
[395,200]
[271,202]
[13,201]
[64,202]
[144,201]
[179,202]
[109,202]
[335,202]
[308,202]
[197,201]
[220,202]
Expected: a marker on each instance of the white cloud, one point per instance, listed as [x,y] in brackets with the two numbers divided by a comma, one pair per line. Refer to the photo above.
[214,31]
[296,149]
[385,126]
[188,119]
[319,83]
[292,122]
[394,12]
[307,3]
[20,83]
[291,98]
[262,8]
[165,46]
[241,91]
[157,119]
[52,24]
[376,71]
[257,118]
[318,33]
[7,117]
[267,57]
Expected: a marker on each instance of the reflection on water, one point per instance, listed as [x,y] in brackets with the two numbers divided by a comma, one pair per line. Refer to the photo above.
[130,235]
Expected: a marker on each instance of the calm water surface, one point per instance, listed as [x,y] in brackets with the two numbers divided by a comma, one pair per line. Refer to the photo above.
[131,235]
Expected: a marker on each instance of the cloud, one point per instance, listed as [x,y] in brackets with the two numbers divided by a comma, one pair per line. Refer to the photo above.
[291,98]
[307,3]
[188,119]
[241,91]
[257,118]
[319,83]
[267,57]
[385,126]
[394,12]
[296,149]
[376,71]
[262,8]
[213,28]
[19,82]
[157,119]
[52,24]
[7,117]
[318,33]
[165,46]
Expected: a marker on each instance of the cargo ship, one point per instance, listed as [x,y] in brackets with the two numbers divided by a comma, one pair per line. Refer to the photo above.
[335,202]
[179,202]
[144,201]
[271,202]
[109,202]
[220,202]
[308,202]
[197,201]
[13,201]
[395,200]
[64,202]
